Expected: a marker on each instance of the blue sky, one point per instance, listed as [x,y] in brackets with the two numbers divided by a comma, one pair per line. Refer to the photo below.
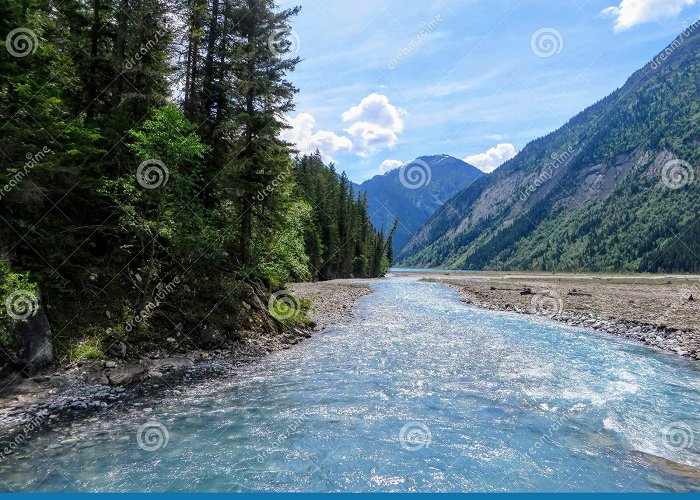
[475,79]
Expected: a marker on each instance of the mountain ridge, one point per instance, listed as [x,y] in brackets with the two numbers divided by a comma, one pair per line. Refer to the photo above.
[414,191]
[543,213]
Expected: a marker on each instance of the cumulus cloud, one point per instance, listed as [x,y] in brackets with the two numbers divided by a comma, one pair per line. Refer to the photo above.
[633,12]
[307,140]
[373,125]
[388,165]
[492,158]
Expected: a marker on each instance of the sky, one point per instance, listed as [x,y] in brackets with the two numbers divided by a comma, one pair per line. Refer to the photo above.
[382,82]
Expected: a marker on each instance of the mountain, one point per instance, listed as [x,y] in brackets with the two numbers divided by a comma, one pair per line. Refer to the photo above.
[413,192]
[616,188]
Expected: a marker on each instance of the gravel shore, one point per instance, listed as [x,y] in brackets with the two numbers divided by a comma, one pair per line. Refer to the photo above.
[331,301]
[662,311]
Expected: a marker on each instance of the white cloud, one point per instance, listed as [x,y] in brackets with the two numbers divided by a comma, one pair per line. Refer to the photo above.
[492,158]
[307,141]
[388,165]
[632,12]
[374,125]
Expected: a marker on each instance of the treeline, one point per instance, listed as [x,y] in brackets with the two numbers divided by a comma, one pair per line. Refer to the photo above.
[140,145]
[340,239]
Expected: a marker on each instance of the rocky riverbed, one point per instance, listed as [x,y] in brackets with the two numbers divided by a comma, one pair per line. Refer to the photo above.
[657,310]
[82,389]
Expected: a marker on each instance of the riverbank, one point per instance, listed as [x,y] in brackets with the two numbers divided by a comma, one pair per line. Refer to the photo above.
[661,311]
[84,388]
[331,301]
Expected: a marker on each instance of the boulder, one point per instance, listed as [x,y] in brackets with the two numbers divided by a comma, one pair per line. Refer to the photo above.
[34,341]
[127,374]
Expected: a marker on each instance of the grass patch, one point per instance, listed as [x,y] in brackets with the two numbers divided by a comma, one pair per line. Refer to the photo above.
[87,349]
[290,310]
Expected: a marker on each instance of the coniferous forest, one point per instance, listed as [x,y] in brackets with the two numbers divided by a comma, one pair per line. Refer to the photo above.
[141,158]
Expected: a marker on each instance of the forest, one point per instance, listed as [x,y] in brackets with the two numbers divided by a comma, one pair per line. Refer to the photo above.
[144,177]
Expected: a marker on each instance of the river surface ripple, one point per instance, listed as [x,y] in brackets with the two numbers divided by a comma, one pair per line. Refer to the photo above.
[419,392]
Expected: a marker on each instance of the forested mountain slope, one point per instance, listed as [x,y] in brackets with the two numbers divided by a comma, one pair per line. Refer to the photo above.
[414,192]
[616,188]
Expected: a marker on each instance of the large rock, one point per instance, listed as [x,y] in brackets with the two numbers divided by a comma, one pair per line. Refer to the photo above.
[34,342]
[127,374]
[210,337]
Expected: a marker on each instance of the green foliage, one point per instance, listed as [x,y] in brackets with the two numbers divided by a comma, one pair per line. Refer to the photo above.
[90,348]
[15,288]
[112,190]
[291,315]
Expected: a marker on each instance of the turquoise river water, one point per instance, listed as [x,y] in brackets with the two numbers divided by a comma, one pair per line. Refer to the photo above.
[419,392]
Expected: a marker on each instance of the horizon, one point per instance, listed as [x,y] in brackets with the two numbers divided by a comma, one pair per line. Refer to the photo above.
[482,104]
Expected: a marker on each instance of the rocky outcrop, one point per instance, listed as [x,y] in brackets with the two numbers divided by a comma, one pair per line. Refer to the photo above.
[33,336]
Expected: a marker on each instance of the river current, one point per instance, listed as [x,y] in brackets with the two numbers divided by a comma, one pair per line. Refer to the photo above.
[418,392]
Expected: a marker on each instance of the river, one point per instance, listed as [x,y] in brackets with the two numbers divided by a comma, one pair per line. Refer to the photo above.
[419,392]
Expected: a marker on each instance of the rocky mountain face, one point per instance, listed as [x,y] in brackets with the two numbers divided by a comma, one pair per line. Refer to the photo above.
[616,188]
[414,192]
